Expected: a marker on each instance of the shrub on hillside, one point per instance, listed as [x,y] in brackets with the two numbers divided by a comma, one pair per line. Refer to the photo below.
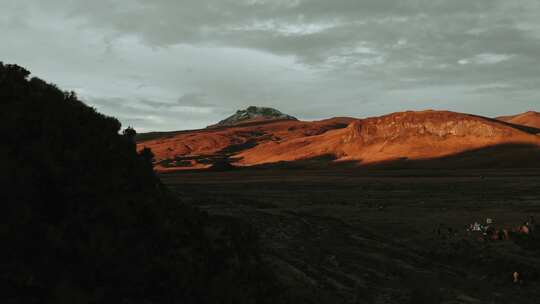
[85,219]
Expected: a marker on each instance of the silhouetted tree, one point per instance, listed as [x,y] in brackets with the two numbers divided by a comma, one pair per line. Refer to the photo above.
[129,132]
[85,219]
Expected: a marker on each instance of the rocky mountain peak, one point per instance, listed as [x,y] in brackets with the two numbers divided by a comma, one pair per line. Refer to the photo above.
[254,114]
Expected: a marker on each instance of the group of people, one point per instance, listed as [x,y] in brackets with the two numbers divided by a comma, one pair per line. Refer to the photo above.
[490,232]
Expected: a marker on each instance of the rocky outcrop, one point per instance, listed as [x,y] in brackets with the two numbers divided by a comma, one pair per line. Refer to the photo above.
[253,114]
[426,135]
[438,125]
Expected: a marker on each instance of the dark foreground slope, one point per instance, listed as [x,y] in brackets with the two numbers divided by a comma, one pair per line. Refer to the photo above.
[85,220]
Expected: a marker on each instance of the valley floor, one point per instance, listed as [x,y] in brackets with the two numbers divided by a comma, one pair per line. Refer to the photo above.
[394,236]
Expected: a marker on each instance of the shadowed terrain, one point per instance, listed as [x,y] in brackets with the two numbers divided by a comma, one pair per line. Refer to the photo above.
[381,235]
[374,210]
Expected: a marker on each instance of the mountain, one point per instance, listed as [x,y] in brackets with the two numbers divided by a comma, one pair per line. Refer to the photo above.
[204,148]
[529,119]
[410,136]
[253,114]
[397,136]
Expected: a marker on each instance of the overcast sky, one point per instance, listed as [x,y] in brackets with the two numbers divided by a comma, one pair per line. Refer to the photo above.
[183,64]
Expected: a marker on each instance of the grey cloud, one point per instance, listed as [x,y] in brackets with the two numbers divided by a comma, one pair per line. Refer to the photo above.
[194,100]
[148,115]
[168,64]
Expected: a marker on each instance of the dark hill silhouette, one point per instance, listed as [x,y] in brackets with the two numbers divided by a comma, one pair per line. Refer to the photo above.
[85,219]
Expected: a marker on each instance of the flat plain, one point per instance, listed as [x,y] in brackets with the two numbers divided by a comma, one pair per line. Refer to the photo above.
[353,235]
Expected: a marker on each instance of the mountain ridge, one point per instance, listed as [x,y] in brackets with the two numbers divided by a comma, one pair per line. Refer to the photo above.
[529,119]
[402,135]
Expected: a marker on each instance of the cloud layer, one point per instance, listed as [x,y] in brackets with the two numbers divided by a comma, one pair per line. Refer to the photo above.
[167,64]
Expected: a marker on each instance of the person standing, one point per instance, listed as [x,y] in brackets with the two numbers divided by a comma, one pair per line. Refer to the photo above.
[515,277]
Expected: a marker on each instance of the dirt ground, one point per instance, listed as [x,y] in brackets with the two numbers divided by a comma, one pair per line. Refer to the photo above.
[381,236]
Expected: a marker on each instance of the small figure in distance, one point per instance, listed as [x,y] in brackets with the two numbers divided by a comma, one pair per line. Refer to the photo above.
[515,278]
[524,228]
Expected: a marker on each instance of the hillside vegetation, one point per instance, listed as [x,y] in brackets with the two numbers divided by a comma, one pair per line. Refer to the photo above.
[85,219]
